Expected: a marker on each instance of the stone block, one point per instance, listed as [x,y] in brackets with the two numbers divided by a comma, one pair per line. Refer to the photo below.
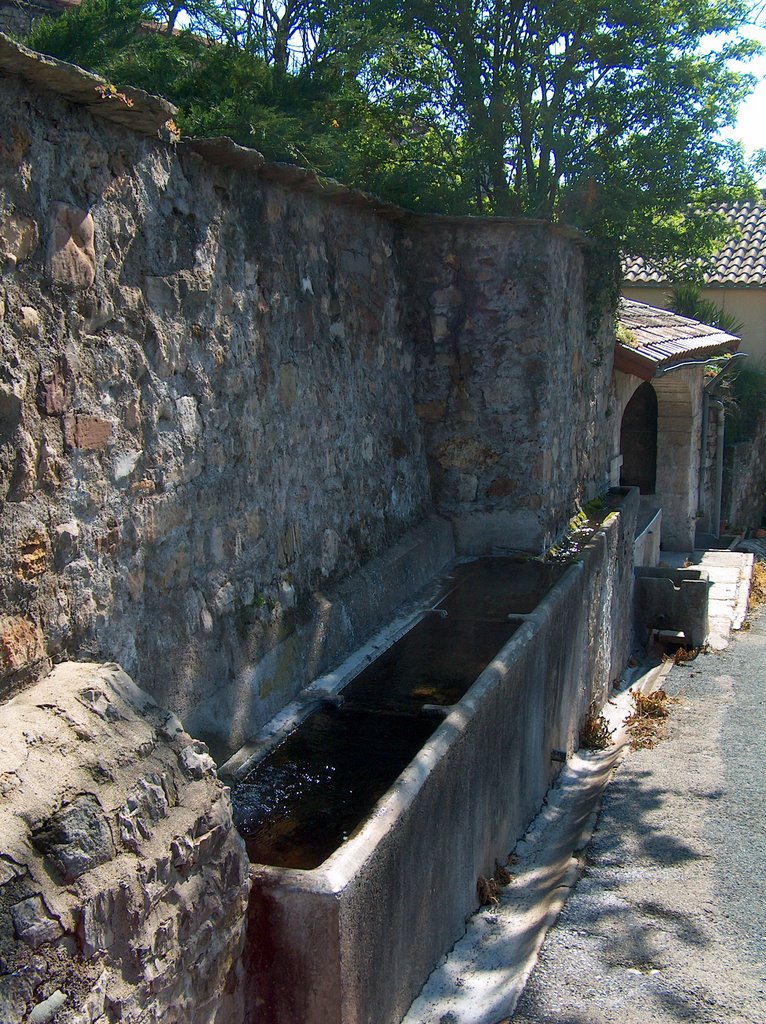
[501,487]
[34,923]
[431,412]
[71,247]
[147,803]
[287,389]
[290,544]
[9,871]
[77,838]
[21,643]
[95,700]
[196,761]
[124,464]
[101,920]
[33,556]
[47,1009]
[52,396]
[188,418]
[29,321]
[18,238]
[354,263]
[465,453]
[330,551]
[11,405]
[88,432]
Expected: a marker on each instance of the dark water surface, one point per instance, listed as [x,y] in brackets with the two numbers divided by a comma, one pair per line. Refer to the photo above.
[493,588]
[296,806]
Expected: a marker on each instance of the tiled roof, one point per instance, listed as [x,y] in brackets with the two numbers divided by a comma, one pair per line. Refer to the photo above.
[651,339]
[741,263]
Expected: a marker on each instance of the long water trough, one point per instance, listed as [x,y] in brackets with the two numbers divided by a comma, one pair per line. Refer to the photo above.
[373,804]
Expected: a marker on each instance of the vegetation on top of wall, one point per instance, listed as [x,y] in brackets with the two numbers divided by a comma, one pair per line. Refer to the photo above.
[606,116]
[625,336]
[602,287]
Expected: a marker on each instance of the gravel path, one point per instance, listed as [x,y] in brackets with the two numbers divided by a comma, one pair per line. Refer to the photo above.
[668,921]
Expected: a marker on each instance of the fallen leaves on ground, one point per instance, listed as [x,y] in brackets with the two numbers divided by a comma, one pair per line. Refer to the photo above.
[646,724]
[683,654]
[487,890]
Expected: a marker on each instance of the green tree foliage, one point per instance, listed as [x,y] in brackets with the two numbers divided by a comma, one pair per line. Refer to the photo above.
[604,115]
[312,108]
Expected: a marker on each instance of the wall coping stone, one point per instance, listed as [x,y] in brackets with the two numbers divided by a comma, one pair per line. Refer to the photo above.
[149,115]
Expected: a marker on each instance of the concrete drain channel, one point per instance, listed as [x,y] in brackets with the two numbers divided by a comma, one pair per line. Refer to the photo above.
[381,797]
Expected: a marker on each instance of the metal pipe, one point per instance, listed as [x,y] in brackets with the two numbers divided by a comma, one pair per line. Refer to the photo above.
[700,362]
[703,452]
[713,383]
[715,524]
[680,366]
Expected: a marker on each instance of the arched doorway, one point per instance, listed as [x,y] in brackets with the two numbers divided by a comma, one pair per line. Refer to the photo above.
[638,441]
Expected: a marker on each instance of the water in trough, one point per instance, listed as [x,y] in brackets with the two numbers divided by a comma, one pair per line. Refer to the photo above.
[303,799]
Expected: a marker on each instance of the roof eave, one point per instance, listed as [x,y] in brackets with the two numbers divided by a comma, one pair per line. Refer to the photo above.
[628,360]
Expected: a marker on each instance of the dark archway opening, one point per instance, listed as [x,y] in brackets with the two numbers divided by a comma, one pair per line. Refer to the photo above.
[638,441]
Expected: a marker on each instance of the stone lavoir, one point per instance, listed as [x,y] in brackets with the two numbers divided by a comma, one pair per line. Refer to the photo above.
[246,415]
[373,805]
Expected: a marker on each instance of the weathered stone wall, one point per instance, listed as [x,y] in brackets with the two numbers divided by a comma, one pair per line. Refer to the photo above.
[744,481]
[209,392]
[512,385]
[17,17]
[123,882]
[206,405]
[215,388]
[225,401]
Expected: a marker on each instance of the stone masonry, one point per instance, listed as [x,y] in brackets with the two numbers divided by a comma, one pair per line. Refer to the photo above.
[236,402]
[226,388]
[123,883]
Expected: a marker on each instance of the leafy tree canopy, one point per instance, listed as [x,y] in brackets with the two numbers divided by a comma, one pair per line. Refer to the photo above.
[606,115]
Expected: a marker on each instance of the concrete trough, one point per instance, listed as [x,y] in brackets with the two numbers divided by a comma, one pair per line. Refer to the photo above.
[352,940]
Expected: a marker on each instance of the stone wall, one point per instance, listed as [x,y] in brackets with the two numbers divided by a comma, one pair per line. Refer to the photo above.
[18,16]
[744,481]
[240,411]
[206,405]
[512,382]
[226,387]
[123,883]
